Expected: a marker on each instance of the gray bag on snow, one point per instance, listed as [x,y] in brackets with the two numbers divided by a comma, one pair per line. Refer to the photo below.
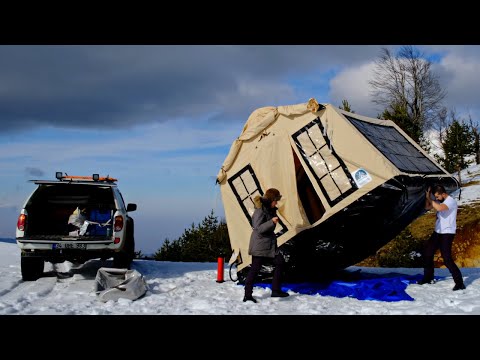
[113,283]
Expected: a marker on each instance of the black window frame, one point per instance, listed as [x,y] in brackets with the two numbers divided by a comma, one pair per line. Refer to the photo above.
[343,195]
[248,168]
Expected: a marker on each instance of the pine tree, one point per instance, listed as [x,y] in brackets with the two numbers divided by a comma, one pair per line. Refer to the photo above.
[398,114]
[346,106]
[457,145]
[202,243]
[476,137]
[170,251]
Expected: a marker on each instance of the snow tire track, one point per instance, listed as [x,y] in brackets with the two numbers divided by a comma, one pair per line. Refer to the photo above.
[25,293]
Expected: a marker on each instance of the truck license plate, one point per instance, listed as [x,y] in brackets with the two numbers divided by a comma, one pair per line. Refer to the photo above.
[81,246]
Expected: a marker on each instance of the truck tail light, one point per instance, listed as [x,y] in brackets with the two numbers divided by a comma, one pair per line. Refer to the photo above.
[21,222]
[118,225]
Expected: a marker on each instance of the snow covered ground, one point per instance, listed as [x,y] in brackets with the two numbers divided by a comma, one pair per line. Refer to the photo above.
[192,289]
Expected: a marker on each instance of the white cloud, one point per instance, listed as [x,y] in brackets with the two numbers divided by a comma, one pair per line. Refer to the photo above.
[159,137]
[352,84]
[461,78]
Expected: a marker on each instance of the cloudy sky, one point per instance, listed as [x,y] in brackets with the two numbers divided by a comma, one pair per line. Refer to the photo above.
[162,118]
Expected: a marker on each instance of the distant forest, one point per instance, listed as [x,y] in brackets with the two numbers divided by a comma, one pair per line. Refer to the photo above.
[205,242]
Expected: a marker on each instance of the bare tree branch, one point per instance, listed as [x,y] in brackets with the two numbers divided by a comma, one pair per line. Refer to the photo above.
[407,80]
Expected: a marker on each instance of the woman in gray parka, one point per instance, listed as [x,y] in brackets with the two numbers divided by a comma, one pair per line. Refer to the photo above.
[263,243]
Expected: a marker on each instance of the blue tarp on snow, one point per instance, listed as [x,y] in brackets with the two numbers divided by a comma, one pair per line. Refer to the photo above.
[380,287]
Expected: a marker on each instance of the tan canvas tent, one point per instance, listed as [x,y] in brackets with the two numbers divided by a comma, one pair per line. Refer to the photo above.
[350,183]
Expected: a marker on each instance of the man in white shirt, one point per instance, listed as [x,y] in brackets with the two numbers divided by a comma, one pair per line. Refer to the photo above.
[445,229]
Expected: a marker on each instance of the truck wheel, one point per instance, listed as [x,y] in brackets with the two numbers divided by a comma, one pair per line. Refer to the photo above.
[32,268]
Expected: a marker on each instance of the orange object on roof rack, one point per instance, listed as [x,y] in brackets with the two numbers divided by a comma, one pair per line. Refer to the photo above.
[94,177]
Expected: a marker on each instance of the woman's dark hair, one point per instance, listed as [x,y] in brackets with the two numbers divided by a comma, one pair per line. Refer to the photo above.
[272,195]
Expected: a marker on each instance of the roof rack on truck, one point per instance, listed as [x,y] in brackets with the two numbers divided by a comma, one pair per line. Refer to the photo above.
[95,177]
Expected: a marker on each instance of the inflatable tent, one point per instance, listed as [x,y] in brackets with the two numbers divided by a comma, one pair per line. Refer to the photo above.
[350,184]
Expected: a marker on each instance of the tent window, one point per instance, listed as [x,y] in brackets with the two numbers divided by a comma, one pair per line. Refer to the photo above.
[396,148]
[245,186]
[328,168]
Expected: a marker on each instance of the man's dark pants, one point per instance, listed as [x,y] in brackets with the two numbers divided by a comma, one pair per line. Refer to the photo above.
[444,242]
